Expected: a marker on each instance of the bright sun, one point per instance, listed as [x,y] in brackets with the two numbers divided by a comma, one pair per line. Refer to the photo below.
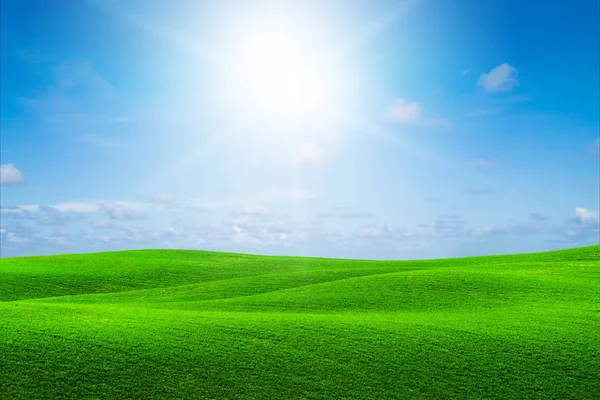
[280,73]
[279,77]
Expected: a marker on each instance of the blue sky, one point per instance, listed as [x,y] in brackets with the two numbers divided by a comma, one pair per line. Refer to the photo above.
[355,129]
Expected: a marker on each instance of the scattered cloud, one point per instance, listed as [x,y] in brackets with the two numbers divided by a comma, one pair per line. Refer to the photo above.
[83,207]
[539,216]
[19,233]
[587,218]
[119,211]
[78,207]
[403,111]
[172,231]
[397,233]
[124,210]
[239,236]
[104,238]
[19,213]
[10,175]
[583,227]
[514,229]
[409,112]
[60,236]
[501,78]
[53,216]
[13,238]
[277,235]
[241,218]
[367,231]
[448,225]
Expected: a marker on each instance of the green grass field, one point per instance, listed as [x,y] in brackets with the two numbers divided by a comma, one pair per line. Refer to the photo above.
[203,325]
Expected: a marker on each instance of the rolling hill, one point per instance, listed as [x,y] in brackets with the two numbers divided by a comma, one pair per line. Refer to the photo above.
[204,325]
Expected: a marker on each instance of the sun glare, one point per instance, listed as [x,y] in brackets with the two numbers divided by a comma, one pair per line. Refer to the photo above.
[279,78]
[280,73]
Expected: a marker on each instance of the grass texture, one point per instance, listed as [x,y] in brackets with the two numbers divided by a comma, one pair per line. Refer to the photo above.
[203,325]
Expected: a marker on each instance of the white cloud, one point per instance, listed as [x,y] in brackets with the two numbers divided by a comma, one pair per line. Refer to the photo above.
[163,198]
[78,207]
[13,238]
[86,207]
[584,226]
[587,218]
[241,237]
[119,211]
[104,238]
[367,231]
[403,111]
[61,240]
[53,216]
[10,175]
[409,112]
[172,231]
[501,78]
[515,229]
[386,236]
[397,233]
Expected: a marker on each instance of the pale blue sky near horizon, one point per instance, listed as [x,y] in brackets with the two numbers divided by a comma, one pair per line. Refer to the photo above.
[352,129]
